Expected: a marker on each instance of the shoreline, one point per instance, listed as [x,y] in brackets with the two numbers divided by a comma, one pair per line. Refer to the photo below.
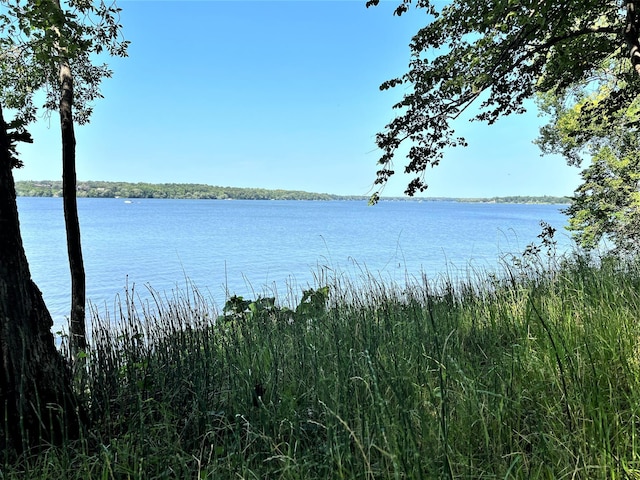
[190,191]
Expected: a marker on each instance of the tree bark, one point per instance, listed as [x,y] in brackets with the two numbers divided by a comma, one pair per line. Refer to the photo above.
[631,35]
[37,401]
[77,328]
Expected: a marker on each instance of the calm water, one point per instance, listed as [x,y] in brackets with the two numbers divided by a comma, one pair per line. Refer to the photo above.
[253,247]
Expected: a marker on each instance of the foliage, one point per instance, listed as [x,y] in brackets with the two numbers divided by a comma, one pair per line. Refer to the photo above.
[312,305]
[497,54]
[605,205]
[35,35]
[530,375]
[99,189]
[581,124]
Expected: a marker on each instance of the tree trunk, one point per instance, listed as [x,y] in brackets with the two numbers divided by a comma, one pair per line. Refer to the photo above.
[37,401]
[77,329]
[631,35]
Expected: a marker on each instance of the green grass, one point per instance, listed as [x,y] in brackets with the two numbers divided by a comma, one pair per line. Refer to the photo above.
[530,374]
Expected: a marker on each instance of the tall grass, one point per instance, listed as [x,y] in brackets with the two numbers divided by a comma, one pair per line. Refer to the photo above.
[530,374]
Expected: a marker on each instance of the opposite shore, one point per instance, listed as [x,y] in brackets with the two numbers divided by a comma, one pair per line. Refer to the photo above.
[101,189]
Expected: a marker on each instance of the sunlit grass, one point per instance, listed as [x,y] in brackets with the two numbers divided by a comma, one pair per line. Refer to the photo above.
[533,373]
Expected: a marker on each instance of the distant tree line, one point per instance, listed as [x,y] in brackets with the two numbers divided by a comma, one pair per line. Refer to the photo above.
[98,189]
[522,199]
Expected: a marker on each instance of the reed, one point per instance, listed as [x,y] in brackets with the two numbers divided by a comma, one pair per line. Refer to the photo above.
[533,373]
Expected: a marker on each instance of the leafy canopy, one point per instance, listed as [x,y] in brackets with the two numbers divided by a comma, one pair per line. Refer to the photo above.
[607,203]
[494,54]
[35,36]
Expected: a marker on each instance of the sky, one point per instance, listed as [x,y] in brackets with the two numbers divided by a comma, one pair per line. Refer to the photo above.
[277,95]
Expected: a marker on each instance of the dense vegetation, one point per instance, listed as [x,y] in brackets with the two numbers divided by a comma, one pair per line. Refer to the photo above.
[95,189]
[534,374]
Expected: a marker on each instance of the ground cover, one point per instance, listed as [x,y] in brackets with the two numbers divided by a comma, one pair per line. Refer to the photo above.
[533,373]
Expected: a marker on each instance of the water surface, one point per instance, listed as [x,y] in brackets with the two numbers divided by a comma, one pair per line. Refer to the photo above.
[244,247]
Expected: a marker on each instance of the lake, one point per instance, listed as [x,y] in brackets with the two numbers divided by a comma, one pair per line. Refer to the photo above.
[267,247]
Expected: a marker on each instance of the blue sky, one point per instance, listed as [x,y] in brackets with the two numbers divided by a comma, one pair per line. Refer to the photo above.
[276,94]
